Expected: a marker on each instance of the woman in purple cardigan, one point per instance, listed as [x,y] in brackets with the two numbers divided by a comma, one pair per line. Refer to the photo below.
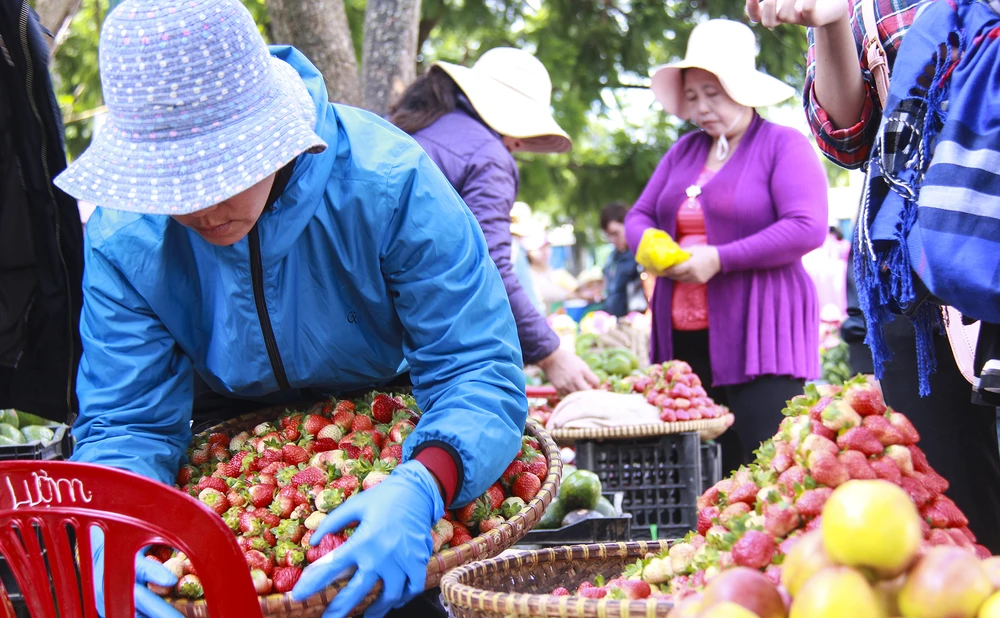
[747,199]
[470,120]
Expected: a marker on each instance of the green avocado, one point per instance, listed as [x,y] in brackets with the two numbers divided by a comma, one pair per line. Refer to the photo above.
[552,516]
[580,490]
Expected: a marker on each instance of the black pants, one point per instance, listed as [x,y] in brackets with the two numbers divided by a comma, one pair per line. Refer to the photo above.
[757,404]
[959,437]
[427,605]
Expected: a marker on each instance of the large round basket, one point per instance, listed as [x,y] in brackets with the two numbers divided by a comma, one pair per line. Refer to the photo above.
[709,428]
[484,546]
[519,585]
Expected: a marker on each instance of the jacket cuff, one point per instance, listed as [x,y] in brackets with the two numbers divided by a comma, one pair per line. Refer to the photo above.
[546,345]
[443,464]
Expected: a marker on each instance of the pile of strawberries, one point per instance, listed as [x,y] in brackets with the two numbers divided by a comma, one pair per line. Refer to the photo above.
[830,435]
[275,484]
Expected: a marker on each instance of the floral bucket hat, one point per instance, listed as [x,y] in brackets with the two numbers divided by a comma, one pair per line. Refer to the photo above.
[198,110]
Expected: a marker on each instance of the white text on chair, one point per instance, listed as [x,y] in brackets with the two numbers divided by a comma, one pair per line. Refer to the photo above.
[48,491]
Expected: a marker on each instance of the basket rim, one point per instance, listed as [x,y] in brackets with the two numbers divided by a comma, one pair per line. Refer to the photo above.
[481,547]
[640,431]
[457,591]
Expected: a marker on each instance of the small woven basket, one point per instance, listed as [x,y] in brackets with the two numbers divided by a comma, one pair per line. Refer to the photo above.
[709,428]
[483,546]
[520,585]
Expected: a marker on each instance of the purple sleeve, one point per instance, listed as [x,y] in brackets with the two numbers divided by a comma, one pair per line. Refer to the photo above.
[799,194]
[642,216]
[489,191]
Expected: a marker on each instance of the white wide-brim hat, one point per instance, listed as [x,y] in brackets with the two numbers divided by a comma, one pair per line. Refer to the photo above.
[728,50]
[198,109]
[512,92]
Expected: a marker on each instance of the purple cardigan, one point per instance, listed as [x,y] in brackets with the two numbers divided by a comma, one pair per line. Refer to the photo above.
[476,163]
[764,210]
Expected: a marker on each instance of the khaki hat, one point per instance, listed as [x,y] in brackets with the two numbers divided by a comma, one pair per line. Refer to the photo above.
[728,50]
[512,92]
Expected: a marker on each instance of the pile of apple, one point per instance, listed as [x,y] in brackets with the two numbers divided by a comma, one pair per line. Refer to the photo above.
[867,560]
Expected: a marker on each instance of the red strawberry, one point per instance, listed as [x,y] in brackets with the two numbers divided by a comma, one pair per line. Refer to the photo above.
[814,524]
[773,573]
[392,453]
[218,438]
[212,482]
[744,492]
[292,420]
[939,537]
[245,543]
[860,439]
[309,476]
[184,475]
[920,463]
[237,497]
[934,482]
[733,511]
[883,430]
[539,467]
[491,523]
[634,589]
[901,455]
[383,407]
[250,525]
[273,468]
[780,519]
[942,513]
[291,433]
[959,538]
[283,506]
[789,478]
[323,445]
[261,495]
[262,584]
[706,518]
[811,502]
[918,493]
[259,560]
[347,484]
[754,550]
[292,492]
[266,517]
[857,464]
[866,399]
[331,432]
[905,428]
[461,535]
[268,537]
[361,423]
[270,456]
[401,430]
[968,534]
[885,468]
[474,512]
[162,553]
[284,578]
[373,478]
[982,551]
[294,454]
[711,496]
[326,545]
[526,487]
[560,592]
[234,467]
[344,419]
[827,470]
[313,423]
[592,592]
[816,411]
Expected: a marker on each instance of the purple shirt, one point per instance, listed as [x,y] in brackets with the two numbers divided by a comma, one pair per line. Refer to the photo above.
[475,161]
[764,210]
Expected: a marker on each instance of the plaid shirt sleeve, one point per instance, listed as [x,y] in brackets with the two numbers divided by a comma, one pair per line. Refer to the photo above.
[850,146]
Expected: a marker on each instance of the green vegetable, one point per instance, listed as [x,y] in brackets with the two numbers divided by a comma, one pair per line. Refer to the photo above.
[9,416]
[9,431]
[5,441]
[605,508]
[552,516]
[580,490]
[26,418]
[575,517]
[38,433]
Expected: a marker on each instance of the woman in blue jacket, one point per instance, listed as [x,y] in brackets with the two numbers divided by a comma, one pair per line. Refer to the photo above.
[275,246]
[470,120]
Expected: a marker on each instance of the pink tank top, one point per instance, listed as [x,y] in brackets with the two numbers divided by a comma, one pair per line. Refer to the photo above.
[689,306]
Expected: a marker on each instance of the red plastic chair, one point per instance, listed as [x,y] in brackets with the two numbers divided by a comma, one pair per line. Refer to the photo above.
[46,504]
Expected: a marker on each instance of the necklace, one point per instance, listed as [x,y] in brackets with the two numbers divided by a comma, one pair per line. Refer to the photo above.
[692,193]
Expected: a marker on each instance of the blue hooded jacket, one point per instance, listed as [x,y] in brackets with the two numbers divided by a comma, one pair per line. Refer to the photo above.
[371,264]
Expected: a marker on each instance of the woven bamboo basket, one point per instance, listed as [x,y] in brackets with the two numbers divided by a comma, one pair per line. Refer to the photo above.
[484,546]
[709,428]
[520,585]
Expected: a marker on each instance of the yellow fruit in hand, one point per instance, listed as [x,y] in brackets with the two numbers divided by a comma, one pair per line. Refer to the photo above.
[836,592]
[726,609]
[871,524]
[991,608]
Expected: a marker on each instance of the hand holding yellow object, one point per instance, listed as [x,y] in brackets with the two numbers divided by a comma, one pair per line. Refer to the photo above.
[657,252]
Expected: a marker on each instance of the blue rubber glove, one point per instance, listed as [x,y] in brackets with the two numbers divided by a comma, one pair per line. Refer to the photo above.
[147,602]
[392,542]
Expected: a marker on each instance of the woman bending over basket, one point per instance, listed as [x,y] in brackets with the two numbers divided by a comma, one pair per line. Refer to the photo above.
[257,239]
[747,199]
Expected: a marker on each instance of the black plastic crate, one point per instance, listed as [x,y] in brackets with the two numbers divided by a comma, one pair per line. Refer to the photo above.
[58,448]
[660,477]
[711,465]
[598,530]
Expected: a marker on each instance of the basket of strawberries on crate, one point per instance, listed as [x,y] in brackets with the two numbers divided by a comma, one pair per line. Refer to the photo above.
[273,475]
[843,485]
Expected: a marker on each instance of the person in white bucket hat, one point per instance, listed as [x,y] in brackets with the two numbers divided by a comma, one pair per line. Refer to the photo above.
[254,244]
[470,120]
[746,199]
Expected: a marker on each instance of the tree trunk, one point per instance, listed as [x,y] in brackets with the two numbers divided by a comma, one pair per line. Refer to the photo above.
[319,29]
[55,15]
[390,51]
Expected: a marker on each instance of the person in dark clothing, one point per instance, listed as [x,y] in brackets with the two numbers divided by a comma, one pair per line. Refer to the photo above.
[622,279]
[470,120]
[958,436]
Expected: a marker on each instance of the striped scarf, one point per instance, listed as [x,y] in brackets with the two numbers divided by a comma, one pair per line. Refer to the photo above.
[932,202]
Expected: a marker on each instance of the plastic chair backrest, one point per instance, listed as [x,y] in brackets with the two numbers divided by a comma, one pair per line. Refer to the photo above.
[49,505]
